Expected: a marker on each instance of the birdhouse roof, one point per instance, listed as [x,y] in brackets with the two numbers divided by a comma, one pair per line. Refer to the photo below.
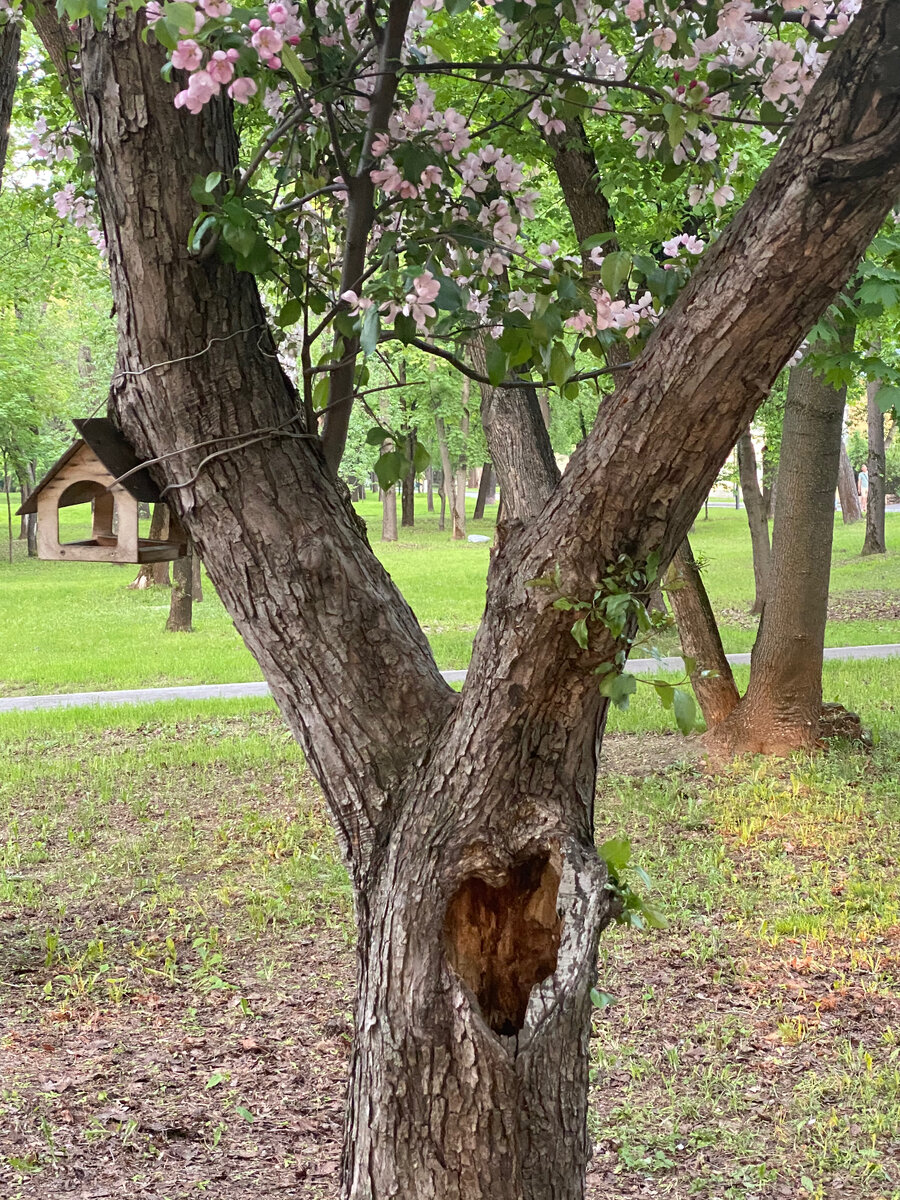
[113,451]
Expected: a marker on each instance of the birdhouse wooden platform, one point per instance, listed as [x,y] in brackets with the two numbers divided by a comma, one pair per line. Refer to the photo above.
[88,472]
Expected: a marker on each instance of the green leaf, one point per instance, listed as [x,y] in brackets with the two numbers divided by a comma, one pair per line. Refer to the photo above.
[618,688]
[666,693]
[602,1000]
[290,314]
[542,581]
[888,398]
[685,710]
[615,270]
[563,604]
[690,664]
[216,1078]
[595,240]
[295,66]
[616,853]
[212,181]
[496,361]
[179,17]
[421,459]
[450,297]
[199,230]
[580,633]
[378,435]
[654,916]
[370,330]
[562,365]
[390,468]
[244,1112]
[320,393]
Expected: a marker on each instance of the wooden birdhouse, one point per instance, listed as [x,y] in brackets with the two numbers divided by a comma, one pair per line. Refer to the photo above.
[91,471]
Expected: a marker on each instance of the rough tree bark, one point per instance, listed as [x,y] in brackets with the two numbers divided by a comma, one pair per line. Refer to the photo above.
[849,497]
[466,820]
[875,539]
[757,518]
[781,709]
[155,574]
[717,695]
[10,37]
[181,606]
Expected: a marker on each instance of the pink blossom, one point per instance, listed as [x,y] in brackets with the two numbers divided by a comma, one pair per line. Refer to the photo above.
[216,8]
[188,56]
[266,41]
[242,89]
[421,299]
[278,14]
[431,175]
[221,65]
[153,12]
[635,10]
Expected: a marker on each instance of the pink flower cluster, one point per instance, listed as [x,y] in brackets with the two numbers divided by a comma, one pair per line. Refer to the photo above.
[203,84]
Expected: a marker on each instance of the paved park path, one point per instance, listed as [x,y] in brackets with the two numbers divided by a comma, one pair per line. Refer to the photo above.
[228,691]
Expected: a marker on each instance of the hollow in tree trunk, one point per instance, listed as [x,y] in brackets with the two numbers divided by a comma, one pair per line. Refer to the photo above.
[757,519]
[849,497]
[781,709]
[716,694]
[484,488]
[181,605]
[155,574]
[465,820]
[875,540]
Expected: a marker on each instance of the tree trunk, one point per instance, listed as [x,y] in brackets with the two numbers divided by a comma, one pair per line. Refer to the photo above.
[28,531]
[484,489]
[408,498]
[465,820]
[182,603]
[875,539]
[10,36]
[196,578]
[756,518]
[429,489]
[770,482]
[389,497]
[847,489]
[450,491]
[155,574]
[716,694]
[389,515]
[781,709]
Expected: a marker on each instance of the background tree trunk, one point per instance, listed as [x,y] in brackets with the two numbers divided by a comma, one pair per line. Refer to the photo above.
[450,491]
[429,489]
[155,574]
[10,36]
[875,539]
[770,481]
[408,496]
[484,490]
[781,709]
[181,605]
[196,578]
[389,515]
[756,518]
[717,695]
[849,497]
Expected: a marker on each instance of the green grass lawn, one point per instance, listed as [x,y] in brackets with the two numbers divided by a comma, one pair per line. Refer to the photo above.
[76,626]
[176,961]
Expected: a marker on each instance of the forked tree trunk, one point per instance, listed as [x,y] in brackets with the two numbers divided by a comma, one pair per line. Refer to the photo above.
[181,606]
[716,694]
[484,490]
[756,518]
[466,820]
[10,36]
[781,709]
[155,574]
[849,497]
[875,540]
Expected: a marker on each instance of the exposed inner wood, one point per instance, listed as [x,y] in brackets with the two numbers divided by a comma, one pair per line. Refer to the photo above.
[503,940]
